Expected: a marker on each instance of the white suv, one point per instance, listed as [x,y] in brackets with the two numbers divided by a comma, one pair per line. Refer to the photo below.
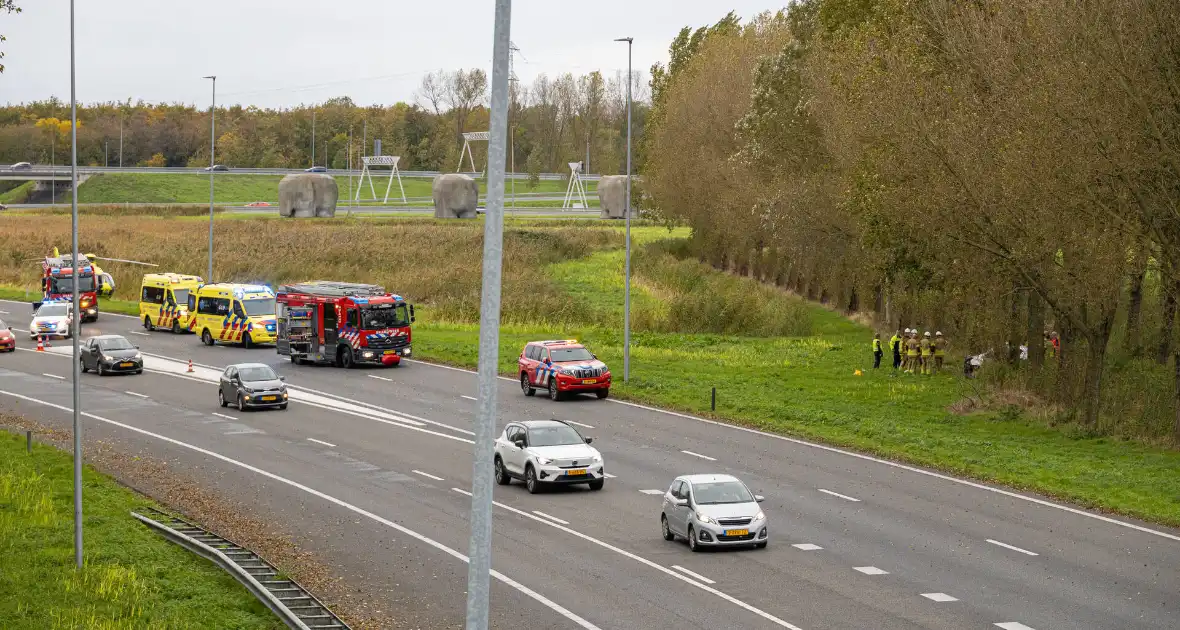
[544,452]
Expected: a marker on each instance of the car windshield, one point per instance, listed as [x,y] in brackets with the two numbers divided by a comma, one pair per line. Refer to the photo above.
[257,373]
[53,310]
[570,354]
[65,284]
[115,343]
[556,435]
[259,306]
[377,318]
[181,296]
[721,492]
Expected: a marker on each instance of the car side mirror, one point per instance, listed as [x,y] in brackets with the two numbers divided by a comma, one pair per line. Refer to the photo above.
[283,378]
[589,440]
[681,502]
[759,498]
[137,347]
[519,443]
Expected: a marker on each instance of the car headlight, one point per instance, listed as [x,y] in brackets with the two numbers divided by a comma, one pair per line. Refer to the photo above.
[705,518]
[137,357]
[544,462]
[367,355]
[760,516]
[597,459]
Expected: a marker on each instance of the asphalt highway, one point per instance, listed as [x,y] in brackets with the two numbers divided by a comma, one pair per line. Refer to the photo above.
[370,467]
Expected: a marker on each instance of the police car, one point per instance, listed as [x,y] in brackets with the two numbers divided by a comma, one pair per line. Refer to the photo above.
[52,319]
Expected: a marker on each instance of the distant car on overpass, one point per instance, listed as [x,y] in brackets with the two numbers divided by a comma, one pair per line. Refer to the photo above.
[21,166]
[317,169]
[258,204]
[220,168]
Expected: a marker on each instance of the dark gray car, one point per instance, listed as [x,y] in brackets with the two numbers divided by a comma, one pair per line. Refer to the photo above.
[110,354]
[251,386]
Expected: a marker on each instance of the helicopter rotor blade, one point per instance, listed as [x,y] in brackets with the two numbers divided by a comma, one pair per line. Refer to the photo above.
[133,262]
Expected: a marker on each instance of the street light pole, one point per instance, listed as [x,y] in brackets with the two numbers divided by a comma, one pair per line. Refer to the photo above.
[212,155]
[479,567]
[313,137]
[627,215]
[120,139]
[76,320]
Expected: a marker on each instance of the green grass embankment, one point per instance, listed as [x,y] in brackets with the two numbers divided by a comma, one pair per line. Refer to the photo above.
[131,577]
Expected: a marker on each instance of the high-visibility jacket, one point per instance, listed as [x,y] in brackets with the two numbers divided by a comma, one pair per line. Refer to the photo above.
[939,347]
[876,345]
[895,343]
[925,346]
[911,347]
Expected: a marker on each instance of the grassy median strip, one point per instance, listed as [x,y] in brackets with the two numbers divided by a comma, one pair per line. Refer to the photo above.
[132,578]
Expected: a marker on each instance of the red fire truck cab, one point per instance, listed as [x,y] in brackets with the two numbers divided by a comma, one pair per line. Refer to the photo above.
[57,282]
[342,323]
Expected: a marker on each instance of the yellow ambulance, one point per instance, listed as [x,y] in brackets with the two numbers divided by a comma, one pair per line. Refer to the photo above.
[234,313]
[164,301]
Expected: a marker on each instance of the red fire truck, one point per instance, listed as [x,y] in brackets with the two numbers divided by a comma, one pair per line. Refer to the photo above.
[57,282]
[342,323]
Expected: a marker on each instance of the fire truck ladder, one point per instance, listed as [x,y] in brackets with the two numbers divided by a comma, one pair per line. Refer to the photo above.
[335,289]
[294,606]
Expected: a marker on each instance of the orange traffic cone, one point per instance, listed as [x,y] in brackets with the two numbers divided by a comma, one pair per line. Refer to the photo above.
[40,344]
[190,366]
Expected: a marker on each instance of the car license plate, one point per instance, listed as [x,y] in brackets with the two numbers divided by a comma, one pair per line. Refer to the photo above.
[737,532]
[588,381]
[269,398]
[127,364]
[391,352]
[574,473]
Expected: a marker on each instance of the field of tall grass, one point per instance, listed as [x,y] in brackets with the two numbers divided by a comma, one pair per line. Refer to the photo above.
[131,578]
[778,362]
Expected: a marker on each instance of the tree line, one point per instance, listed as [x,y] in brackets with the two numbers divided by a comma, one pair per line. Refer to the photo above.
[991,169]
[555,120]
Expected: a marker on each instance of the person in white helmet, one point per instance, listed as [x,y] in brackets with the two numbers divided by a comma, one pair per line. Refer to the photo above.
[939,346]
[925,357]
[912,355]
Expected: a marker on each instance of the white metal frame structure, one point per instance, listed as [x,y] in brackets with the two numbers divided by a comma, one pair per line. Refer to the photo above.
[575,187]
[381,160]
[476,136]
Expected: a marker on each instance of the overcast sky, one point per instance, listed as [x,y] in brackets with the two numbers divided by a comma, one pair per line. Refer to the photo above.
[276,53]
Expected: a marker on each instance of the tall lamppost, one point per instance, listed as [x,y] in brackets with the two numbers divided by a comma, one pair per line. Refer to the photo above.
[76,321]
[627,215]
[212,154]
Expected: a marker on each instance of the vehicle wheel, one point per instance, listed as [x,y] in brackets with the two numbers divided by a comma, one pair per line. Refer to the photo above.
[82,366]
[147,324]
[692,540]
[602,393]
[597,484]
[206,338]
[530,480]
[668,535]
[221,398]
[346,359]
[502,477]
[525,386]
[175,327]
[760,545]
[553,393]
[296,360]
[101,370]
[241,403]
[247,341]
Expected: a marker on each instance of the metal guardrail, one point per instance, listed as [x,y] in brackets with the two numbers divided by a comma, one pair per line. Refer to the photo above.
[290,602]
[41,170]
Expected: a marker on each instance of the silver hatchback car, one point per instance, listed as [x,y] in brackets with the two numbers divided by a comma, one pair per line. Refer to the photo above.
[713,511]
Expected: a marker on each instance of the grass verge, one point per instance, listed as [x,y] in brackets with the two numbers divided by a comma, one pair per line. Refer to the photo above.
[19,194]
[131,577]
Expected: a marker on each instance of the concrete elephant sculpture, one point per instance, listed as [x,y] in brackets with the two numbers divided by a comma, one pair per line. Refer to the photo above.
[612,196]
[455,196]
[308,195]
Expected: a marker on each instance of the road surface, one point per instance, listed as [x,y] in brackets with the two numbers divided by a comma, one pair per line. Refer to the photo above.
[371,467]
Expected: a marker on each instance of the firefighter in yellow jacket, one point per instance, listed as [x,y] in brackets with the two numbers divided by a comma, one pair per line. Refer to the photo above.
[912,356]
[939,350]
[926,357]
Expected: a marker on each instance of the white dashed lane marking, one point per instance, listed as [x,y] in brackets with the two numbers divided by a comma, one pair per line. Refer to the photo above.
[136,332]
[1007,546]
[60,378]
[380,378]
[1013,625]
[321,442]
[712,459]
[468,397]
[550,517]
[695,575]
[584,426]
[137,394]
[428,475]
[807,547]
[461,491]
[871,571]
[222,415]
[653,492]
[837,494]
[940,597]
[608,475]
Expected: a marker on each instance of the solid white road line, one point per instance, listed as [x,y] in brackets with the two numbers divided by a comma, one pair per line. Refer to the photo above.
[837,494]
[1007,546]
[699,455]
[695,575]
[60,378]
[1013,625]
[584,426]
[871,571]
[554,606]
[222,415]
[428,475]
[550,517]
[648,563]
[380,378]
[137,394]
[321,442]
[652,491]
[940,597]
[807,547]
[468,397]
